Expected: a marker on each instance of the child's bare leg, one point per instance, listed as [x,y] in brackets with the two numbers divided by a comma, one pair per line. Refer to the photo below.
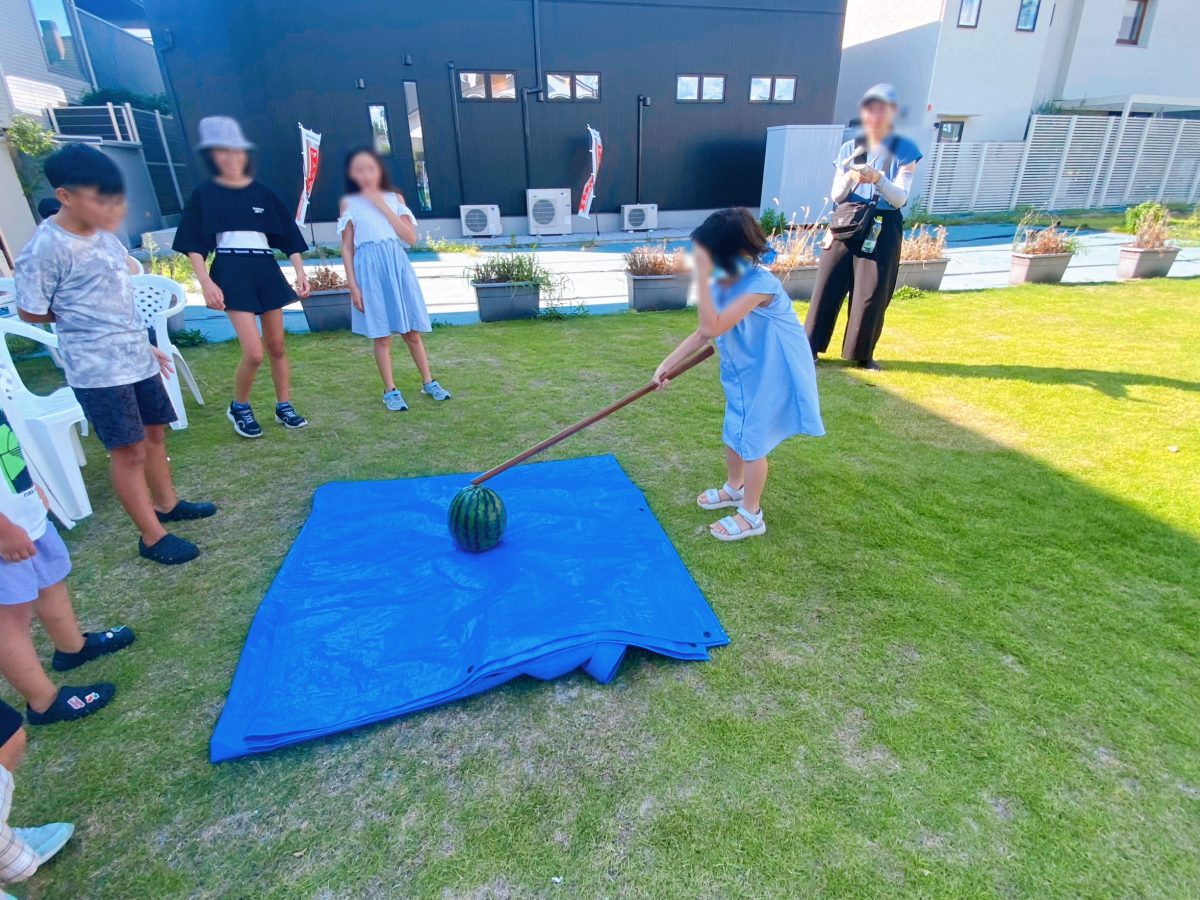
[12,751]
[416,347]
[756,480]
[158,469]
[53,609]
[383,359]
[128,467]
[281,371]
[19,663]
[734,476]
[252,353]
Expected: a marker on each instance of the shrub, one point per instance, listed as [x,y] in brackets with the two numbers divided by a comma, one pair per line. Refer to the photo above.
[30,143]
[189,337]
[924,244]
[170,264]
[1150,223]
[323,278]
[908,292]
[1036,241]
[797,249]
[518,268]
[655,259]
[772,222]
[447,245]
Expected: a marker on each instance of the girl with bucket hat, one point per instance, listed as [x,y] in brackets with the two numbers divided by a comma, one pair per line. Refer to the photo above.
[861,252]
[242,221]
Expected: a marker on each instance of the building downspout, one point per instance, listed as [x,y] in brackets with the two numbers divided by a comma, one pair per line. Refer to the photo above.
[458,150]
[537,43]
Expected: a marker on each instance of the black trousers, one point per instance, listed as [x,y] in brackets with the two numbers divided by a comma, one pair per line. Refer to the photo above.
[869,279]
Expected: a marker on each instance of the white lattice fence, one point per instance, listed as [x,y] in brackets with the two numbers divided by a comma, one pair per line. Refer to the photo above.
[1068,162]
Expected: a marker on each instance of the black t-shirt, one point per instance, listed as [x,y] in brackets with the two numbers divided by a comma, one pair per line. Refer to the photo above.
[214,208]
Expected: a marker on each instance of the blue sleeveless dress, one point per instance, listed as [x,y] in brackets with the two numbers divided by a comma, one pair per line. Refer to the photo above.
[767,370]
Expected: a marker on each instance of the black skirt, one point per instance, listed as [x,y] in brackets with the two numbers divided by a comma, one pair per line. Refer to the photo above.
[251,281]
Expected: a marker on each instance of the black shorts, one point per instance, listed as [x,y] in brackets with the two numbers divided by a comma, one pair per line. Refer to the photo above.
[120,414]
[10,722]
[251,281]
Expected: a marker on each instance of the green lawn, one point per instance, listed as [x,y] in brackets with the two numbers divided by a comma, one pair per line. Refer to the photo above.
[963,660]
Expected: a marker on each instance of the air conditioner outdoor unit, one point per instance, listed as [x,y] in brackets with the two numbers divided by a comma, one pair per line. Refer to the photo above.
[639,216]
[481,220]
[549,211]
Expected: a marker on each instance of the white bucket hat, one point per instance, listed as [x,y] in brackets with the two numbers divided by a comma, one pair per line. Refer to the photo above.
[222,131]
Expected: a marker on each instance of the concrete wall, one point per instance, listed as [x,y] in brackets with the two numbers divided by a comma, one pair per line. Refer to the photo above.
[119,59]
[1166,62]
[16,219]
[30,83]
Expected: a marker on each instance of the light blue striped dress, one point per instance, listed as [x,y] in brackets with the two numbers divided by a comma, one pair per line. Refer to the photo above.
[767,370]
[392,298]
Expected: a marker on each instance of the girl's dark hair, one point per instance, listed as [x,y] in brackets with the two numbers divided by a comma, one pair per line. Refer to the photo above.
[385,178]
[730,235]
[206,156]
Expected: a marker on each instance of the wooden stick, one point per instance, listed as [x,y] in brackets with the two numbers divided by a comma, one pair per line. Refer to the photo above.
[693,360]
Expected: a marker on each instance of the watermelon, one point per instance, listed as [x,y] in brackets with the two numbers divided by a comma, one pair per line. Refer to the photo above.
[477,518]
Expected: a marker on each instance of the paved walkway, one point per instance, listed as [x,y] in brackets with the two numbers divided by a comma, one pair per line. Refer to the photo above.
[979,258]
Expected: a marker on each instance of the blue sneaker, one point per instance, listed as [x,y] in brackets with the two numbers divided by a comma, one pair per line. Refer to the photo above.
[436,391]
[394,401]
[46,840]
[286,415]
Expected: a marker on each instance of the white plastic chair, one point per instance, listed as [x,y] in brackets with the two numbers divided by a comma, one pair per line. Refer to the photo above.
[46,427]
[158,298]
[8,308]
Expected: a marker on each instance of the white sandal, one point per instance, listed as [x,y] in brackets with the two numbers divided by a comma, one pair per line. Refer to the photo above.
[735,532]
[712,497]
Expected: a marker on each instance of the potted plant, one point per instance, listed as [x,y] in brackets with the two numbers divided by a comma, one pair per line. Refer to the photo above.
[512,286]
[923,258]
[1149,256]
[327,306]
[1040,255]
[658,278]
[795,261]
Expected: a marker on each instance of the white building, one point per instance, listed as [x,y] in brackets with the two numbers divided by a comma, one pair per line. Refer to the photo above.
[43,62]
[974,70]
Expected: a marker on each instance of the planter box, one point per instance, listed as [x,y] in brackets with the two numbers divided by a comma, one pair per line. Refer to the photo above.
[1138,263]
[1044,268]
[327,310]
[651,293]
[799,282]
[498,302]
[922,274]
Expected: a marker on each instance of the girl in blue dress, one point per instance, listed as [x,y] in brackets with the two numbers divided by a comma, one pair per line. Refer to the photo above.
[385,295]
[767,367]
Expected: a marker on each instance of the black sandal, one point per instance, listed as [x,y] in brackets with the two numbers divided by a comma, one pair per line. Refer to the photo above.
[169,550]
[73,703]
[185,511]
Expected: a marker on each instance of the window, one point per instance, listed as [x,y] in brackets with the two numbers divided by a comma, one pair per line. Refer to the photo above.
[503,85]
[57,32]
[950,132]
[773,89]
[700,88]
[968,13]
[580,86]
[1132,21]
[487,85]
[381,138]
[1027,15]
[416,139]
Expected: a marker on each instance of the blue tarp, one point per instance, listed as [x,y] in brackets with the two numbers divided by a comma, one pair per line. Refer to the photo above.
[376,613]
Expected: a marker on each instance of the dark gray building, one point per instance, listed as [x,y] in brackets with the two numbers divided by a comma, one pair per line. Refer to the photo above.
[445,80]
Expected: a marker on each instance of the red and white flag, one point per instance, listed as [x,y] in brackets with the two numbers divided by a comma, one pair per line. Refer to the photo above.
[589,189]
[310,144]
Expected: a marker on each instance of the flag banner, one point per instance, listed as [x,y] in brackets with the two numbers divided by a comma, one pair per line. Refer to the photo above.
[589,190]
[310,144]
